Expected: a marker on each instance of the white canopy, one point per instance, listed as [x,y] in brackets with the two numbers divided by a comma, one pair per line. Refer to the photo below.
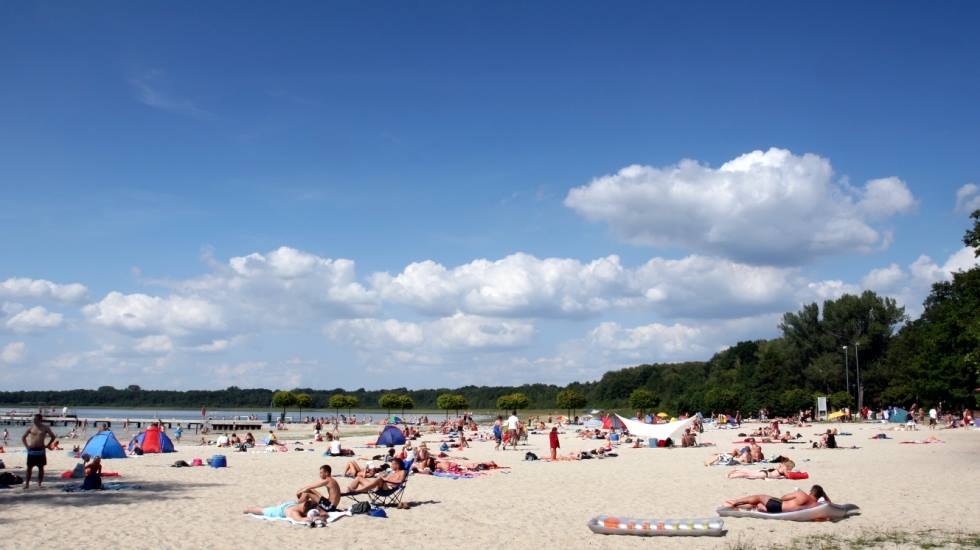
[658,431]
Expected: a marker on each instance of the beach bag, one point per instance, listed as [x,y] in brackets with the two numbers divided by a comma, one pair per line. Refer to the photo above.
[530,456]
[377,513]
[360,508]
[444,447]
[180,464]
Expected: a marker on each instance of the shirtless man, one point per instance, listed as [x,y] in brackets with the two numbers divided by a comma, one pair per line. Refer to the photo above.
[797,500]
[327,503]
[35,444]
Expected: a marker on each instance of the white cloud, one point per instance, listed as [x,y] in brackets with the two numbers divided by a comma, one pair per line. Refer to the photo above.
[521,285]
[394,341]
[40,289]
[33,319]
[886,197]
[769,207]
[13,353]
[214,346]
[175,315]
[910,286]
[149,92]
[284,287]
[154,344]
[968,198]
[517,285]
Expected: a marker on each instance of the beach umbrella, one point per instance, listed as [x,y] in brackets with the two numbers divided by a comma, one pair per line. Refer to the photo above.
[663,415]
[835,415]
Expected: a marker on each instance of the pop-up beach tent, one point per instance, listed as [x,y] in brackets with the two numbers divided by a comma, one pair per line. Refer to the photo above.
[656,431]
[153,440]
[898,415]
[391,435]
[104,445]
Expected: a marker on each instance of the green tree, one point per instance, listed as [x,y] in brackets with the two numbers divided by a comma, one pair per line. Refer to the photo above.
[389,401]
[352,402]
[405,401]
[283,399]
[722,400]
[303,401]
[972,236]
[839,400]
[643,400]
[513,402]
[795,400]
[451,401]
[338,401]
[570,400]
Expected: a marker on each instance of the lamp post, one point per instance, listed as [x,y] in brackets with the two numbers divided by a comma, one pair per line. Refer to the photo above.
[847,380]
[857,363]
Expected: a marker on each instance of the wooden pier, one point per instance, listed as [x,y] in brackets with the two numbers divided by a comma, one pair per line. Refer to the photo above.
[215,425]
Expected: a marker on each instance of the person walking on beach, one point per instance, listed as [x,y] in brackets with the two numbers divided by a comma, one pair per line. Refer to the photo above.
[35,444]
[553,443]
[498,432]
[512,425]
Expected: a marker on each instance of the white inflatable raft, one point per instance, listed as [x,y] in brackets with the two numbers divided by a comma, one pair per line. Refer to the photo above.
[826,511]
[613,525]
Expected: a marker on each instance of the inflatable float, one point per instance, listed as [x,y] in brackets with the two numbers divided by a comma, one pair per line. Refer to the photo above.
[612,525]
[826,511]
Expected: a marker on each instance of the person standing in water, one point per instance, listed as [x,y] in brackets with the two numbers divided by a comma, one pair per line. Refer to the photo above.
[34,442]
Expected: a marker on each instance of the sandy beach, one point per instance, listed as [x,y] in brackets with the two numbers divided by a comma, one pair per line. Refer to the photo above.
[535,504]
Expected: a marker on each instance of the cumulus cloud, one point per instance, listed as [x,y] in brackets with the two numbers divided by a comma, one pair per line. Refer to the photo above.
[21,288]
[769,207]
[968,198]
[521,285]
[910,286]
[175,315]
[517,285]
[154,344]
[33,319]
[13,353]
[430,342]
[285,286]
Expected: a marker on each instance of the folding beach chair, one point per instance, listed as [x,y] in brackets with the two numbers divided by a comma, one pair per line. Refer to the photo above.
[387,497]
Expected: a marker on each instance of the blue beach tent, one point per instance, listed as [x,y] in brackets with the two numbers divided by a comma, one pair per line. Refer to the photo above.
[391,435]
[105,445]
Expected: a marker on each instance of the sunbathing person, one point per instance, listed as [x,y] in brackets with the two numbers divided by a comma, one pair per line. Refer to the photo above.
[293,510]
[93,475]
[790,502]
[382,483]
[782,468]
[370,469]
[755,452]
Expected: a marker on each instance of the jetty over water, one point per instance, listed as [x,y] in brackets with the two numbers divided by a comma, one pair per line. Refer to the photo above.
[215,425]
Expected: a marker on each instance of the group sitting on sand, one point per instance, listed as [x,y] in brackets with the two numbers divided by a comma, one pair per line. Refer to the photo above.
[741,455]
[310,506]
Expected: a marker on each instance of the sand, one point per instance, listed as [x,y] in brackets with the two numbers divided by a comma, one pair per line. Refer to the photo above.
[532,504]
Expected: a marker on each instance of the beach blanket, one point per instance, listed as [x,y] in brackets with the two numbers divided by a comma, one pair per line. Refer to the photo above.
[111,486]
[451,475]
[923,442]
[331,517]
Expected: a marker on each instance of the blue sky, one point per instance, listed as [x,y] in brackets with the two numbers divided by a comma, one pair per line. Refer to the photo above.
[438,193]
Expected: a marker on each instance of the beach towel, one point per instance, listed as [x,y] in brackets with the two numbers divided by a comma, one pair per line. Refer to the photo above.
[451,475]
[112,486]
[923,442]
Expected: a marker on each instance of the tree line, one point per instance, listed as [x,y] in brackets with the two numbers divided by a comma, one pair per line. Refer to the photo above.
[856,349]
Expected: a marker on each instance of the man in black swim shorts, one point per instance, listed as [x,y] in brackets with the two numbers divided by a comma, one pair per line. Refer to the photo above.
[774,506]
[790,502]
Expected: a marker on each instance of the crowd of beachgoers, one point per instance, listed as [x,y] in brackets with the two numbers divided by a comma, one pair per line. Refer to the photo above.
[349,474]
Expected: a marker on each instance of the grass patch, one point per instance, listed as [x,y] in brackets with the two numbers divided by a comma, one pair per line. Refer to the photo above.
[870,538]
